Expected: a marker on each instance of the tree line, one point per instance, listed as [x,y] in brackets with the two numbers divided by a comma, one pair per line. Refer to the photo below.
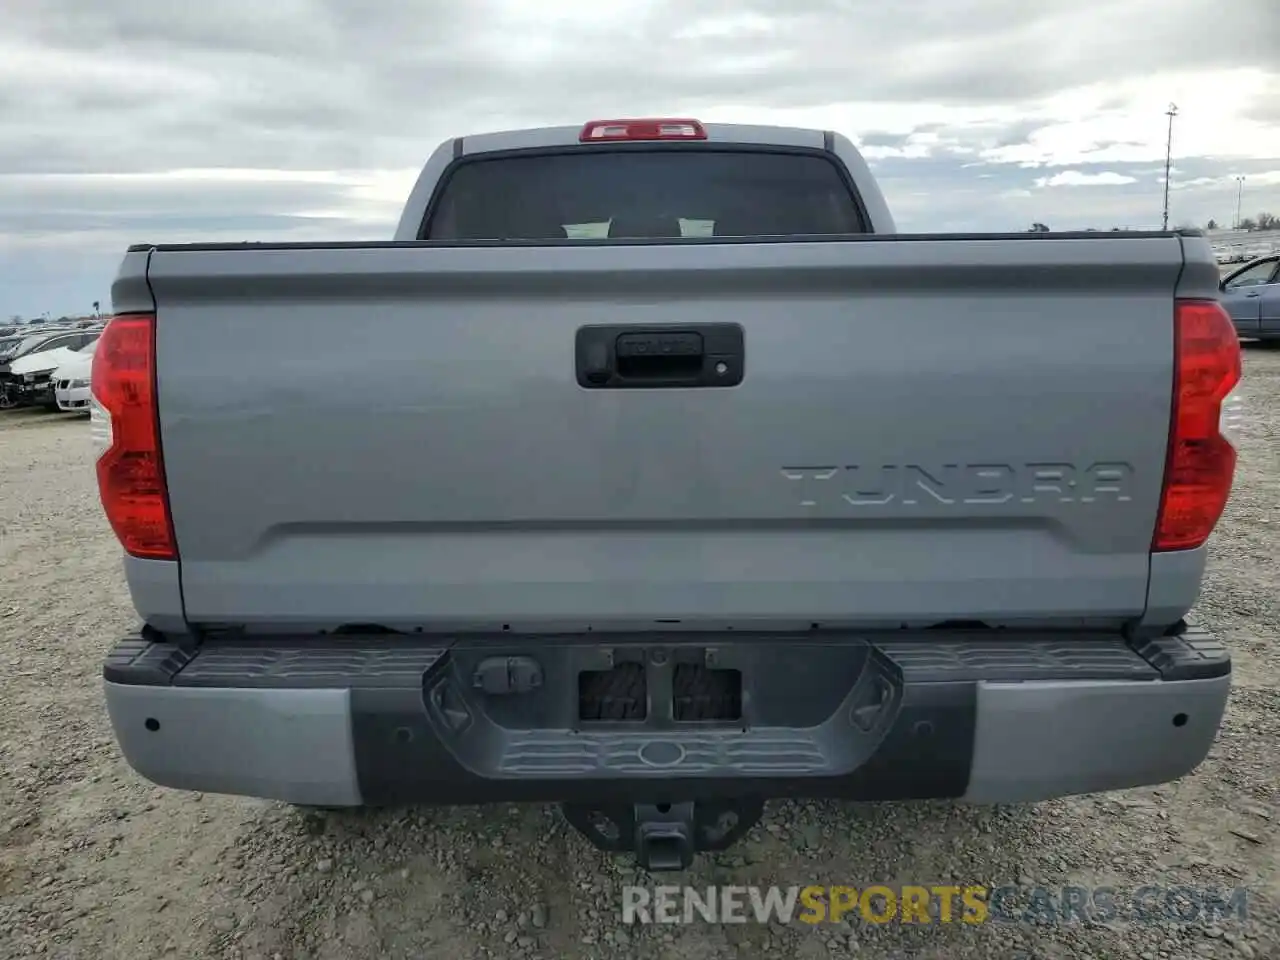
[1263,221]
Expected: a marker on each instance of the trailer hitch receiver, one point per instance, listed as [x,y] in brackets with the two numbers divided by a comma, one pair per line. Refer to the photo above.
[665,836]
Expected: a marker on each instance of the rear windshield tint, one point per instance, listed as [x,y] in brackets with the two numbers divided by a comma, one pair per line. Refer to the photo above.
[599,194]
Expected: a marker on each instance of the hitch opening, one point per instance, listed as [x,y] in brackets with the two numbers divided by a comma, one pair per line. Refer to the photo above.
[665,836]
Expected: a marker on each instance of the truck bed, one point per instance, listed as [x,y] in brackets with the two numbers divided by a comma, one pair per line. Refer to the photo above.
[928,429]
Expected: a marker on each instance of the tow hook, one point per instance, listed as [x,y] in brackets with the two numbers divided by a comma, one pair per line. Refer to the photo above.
[665,836]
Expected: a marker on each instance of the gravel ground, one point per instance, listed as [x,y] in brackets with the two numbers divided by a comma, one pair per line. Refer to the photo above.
[95,863]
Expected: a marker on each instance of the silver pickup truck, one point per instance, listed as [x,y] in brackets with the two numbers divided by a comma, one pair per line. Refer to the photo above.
[650,472]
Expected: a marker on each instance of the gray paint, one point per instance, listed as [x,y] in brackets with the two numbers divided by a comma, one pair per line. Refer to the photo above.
[290,745]
[156,590]
[1039,740]
[1200,275]
[474,481]
[1174,587]
[129,290]
[415,207]
[872,197]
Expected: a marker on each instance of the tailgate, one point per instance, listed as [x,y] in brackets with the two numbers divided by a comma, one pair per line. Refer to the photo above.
[925,430]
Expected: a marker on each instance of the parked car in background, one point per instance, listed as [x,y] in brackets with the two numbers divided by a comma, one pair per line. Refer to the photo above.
[25,373]
[26,342]
[1252,297]
[71,380]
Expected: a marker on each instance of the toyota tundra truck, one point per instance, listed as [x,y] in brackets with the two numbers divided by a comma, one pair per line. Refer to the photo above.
[650,472]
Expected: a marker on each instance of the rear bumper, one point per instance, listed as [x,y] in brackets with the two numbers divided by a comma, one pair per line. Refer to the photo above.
[987,717]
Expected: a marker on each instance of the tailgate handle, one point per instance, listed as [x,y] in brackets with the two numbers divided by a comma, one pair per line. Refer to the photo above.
[626,357]
[662,355]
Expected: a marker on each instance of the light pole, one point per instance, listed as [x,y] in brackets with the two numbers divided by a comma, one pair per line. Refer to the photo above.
[1239,193]
[1168,162]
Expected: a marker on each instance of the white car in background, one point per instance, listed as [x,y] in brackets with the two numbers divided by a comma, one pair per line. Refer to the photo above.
[30,378]
[71,380]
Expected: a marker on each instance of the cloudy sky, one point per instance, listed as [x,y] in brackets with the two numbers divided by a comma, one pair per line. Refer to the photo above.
[152,120]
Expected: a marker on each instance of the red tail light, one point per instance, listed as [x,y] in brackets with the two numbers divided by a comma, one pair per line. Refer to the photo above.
[131,471]
[607,130]
[1201,461]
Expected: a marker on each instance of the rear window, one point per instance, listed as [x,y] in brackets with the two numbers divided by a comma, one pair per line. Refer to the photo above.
[599,194]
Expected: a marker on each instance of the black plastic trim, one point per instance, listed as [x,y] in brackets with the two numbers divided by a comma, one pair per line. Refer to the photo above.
[401,758]
[1184,652]
[651,241]
[714,355]
[287,662]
